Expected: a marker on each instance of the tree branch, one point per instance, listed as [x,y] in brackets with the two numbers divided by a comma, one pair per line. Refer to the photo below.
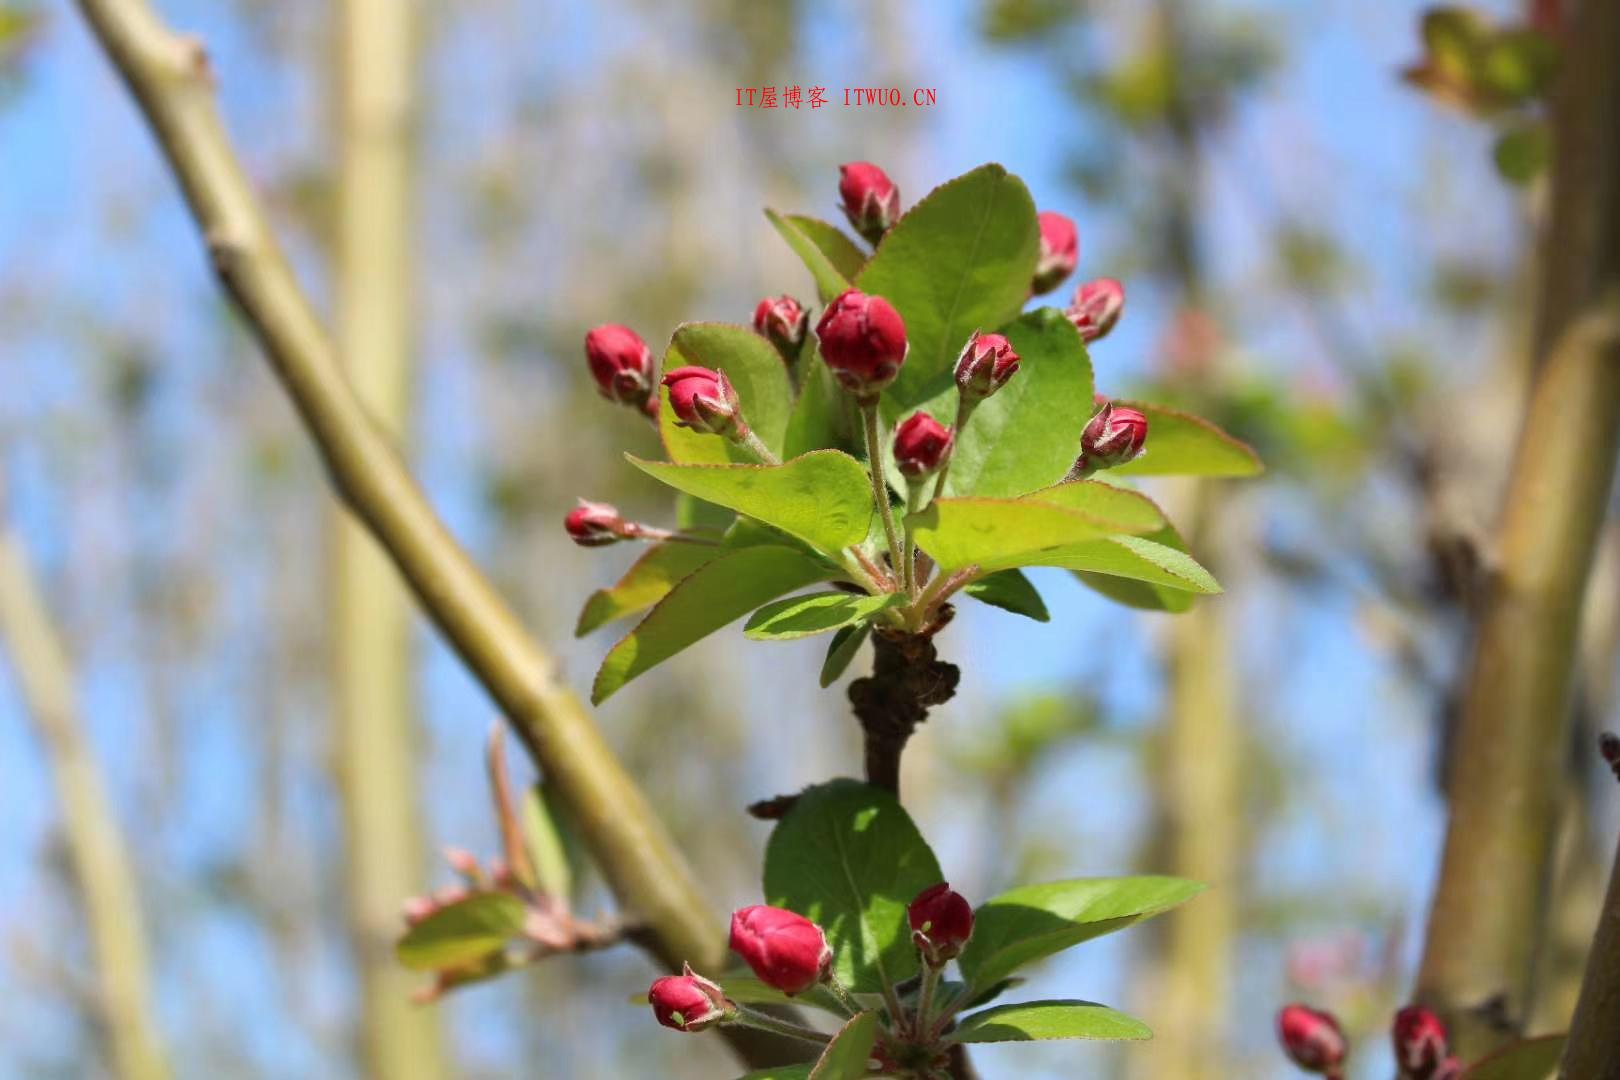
[907,680]
[1511,741]
[170,77]
[1590,1051]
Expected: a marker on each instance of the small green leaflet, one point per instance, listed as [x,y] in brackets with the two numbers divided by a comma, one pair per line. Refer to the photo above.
[1011,591]
[818,613]
[649,580]
[1003,533]
[462,933]
[1032,1020]
[845,644]
[831,257]
[845,1057]
[1181,444]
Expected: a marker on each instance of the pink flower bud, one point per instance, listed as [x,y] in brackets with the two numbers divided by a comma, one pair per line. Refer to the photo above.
[984,367]
[703,400]
[786,950]
[1060,252]
[921,444]
[460,859]
[871,201]
[941,923]
[621,364]
[783,322]
[1421,1043]
[1312,1039]
[863,341]
[1096,308]
[592,524]
[1115,435]
[689,1002]
[417,908]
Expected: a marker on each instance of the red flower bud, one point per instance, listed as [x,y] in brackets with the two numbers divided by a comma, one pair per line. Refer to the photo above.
[787,951]
[941,923]
[871,201]
[984,367]
[863,341]
[1312,1040]
[689,1002]
[1115,435]
[783,322]
[1060,252]
[593,524]
[1096,308]
[621,364]
[921,444]
[703,400]
[1421,1043]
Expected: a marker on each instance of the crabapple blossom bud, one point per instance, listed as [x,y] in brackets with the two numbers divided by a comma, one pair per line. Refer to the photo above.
[941,923]
[1096,308]
[984,367]
[703,400]
[921,444]
[783,322]
[592,524]
[1115,435]
[871,201]
[863,342]
[1421,1043]
[1312,1039]
[689,1002]
[786,950]
[621,364]
[1060,252]
[460,859]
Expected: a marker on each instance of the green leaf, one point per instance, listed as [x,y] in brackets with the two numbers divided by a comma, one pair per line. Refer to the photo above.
[1033,922]
[997,534]
[1134,557]
[1010,591]
[960,260]
[1522,153]
[1032,1020]
[824,416]
[1027,435]
[780,1072]
[1104,500]
[648,581]
[754,368]
[1180,444]
[718,593]
[1528,1059]
[695,514]
[461,933]
[824,498]
[831,257]
[845,644]
[818,613]
[846,1056]
[849,857]
[547,842]
[1137,593]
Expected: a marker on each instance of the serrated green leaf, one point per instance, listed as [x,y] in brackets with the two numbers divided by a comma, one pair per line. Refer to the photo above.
[958,261]
[754,368]
[1027,435]
[998,534]
[818,613]
[648,581]
[696,515]
[461,933]
[1038,1020]
[718,593]
[846,1056]
[1104,500]
[824,498]
[823,416]
[845,644]
[1138,593]
[544,836]
[832,258]
[1527,1059]
[1010,591]
[1033,922]
[1134,557]
[1180,444]
[849,857]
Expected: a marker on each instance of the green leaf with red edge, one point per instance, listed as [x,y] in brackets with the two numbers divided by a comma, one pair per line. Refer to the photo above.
[754,368]
[846,1056]
[649,580]
[823,498]
[1181,444]
[1030,1021]
[960,260]
[832,258]
[1527,1059]
[462,933]
[998,534]
[718,593]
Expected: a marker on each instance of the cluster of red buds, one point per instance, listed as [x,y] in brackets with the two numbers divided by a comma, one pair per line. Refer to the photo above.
[549,927]
[790,954]
[1314,1041]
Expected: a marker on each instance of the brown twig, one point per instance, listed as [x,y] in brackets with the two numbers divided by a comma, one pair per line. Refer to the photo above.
[907,679]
